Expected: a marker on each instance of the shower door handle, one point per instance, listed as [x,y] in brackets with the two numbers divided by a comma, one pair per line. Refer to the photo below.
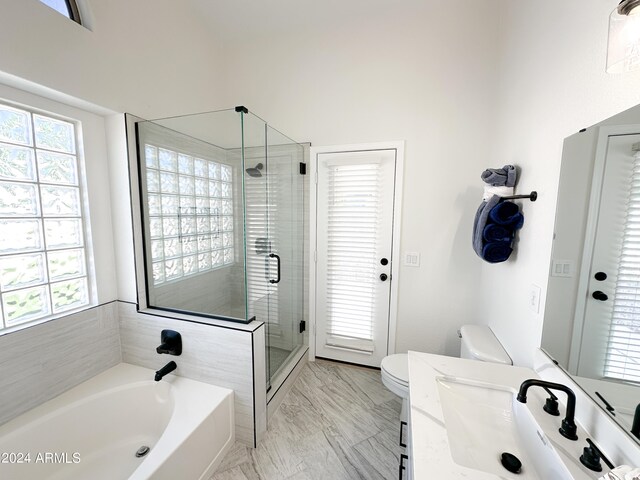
[277,257]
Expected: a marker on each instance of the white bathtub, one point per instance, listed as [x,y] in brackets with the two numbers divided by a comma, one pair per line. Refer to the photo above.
[94,430]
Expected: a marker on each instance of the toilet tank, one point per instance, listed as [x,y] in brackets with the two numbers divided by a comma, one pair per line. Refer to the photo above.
[479,343]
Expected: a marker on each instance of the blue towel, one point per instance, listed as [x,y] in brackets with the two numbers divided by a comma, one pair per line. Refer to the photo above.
[507,214]
[480,221]
[496,252]
[497,233]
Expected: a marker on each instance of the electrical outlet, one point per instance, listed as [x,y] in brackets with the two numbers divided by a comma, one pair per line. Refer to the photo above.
[412,259]
[534,298]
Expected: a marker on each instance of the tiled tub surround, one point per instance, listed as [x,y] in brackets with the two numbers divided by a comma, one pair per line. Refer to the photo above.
[218,355]
[42,361]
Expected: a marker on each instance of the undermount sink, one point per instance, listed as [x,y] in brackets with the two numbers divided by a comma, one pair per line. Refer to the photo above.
[485,420]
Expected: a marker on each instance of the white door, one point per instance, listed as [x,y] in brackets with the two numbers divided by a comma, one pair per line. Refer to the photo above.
[610,344]
[355,205]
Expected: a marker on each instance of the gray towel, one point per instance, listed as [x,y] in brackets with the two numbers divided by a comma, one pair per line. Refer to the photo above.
[500,177]
[481,221]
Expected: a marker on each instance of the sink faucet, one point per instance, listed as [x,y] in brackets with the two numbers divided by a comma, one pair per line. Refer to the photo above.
[635,428]
[168,368]
[568,428]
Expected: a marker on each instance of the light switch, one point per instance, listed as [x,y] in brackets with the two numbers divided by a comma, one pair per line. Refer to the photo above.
[412,259]
[562,268]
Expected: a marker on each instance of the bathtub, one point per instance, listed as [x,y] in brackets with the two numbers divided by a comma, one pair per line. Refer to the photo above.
[94,430]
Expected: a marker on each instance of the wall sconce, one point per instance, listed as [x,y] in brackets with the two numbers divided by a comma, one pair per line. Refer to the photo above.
[623,54]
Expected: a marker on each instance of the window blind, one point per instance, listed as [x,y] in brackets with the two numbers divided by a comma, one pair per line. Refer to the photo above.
[623,345]
[352,255]
[261,218]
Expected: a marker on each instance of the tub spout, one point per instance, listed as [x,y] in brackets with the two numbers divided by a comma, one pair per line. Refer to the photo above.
[168,368]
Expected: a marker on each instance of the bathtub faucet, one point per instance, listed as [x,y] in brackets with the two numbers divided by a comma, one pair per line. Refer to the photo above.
[168,368]
[171,342]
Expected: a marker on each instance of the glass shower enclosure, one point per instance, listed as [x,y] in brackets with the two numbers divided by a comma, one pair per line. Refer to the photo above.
[222,200]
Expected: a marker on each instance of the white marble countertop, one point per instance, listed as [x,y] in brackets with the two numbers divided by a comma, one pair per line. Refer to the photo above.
[430,454]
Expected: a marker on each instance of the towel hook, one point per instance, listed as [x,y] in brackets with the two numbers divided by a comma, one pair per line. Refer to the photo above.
[533,196]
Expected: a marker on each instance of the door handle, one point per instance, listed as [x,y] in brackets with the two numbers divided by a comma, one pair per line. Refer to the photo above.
[598,295]
[383,277]
[277,257]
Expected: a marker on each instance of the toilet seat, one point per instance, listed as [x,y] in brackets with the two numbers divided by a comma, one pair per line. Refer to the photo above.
[394,371]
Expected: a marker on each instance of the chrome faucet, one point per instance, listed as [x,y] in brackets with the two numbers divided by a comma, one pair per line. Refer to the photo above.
[568,428]
[635,428]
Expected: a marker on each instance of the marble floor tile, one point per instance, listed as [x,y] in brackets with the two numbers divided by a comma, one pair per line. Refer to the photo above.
[337,422]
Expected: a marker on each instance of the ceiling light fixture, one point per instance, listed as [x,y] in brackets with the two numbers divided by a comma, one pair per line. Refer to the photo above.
[623,53]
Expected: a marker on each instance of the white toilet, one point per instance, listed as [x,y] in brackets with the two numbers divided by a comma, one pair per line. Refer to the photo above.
[478,343]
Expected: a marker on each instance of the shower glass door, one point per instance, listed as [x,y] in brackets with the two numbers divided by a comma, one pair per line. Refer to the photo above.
[285,212]
[273,191]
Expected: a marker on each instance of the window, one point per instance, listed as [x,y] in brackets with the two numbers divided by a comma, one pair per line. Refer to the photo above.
[190,205]
[623,345]
[68,8]
[43,261]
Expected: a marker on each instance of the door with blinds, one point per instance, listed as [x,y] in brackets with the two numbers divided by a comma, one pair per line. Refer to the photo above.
[355,205]
[611,332]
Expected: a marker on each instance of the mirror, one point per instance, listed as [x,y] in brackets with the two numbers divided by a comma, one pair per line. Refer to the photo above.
[592,316]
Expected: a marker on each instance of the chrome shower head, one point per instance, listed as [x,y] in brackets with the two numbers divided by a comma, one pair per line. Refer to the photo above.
[255,171]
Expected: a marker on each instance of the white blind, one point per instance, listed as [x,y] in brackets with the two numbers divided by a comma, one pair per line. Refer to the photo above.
[623,346]
[352,234]
[261,208]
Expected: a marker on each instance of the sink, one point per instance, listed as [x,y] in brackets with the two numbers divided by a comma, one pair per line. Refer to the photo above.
[484,420]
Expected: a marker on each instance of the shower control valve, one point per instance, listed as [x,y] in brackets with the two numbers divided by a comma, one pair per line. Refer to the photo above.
[171,343]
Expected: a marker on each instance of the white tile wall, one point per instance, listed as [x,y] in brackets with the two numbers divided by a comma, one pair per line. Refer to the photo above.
[40,362]
[211,354]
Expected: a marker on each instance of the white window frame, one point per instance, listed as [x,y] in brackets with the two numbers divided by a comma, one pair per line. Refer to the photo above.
[94,196]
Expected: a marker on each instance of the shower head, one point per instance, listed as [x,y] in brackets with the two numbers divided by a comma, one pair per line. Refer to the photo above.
[255,171]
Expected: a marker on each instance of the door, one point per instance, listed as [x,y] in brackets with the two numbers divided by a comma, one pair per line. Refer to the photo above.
[611,330]
[355,209]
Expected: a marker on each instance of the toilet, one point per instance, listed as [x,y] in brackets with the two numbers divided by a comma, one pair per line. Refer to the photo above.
[478,343]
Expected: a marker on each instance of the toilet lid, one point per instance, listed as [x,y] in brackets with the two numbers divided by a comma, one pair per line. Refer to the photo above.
[397,366]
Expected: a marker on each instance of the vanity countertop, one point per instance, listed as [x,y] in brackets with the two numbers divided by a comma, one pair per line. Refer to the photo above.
[430,453]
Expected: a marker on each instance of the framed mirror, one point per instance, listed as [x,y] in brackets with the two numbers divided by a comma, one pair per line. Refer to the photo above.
[592,316]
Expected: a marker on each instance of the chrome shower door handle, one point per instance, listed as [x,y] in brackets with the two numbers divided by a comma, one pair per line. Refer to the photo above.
[277,257]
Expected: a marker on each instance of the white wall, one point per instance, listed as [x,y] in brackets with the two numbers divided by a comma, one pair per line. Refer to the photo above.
[426,75]
[553,83]
[147,57]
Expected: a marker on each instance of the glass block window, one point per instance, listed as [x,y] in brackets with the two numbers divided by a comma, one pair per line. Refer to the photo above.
[68,8]
[43,267]
[190,205]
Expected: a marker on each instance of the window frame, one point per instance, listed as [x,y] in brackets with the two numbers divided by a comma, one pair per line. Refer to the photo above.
[73,11]
[94,173]
[88,275]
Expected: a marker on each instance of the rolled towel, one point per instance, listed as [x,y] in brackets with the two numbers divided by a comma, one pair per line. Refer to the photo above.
[507,214]
[479,222]
[496,252]
[500,177]
[497,233]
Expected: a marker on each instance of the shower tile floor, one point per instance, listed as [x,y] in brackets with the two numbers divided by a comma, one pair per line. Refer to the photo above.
[277,357]
[337,422]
